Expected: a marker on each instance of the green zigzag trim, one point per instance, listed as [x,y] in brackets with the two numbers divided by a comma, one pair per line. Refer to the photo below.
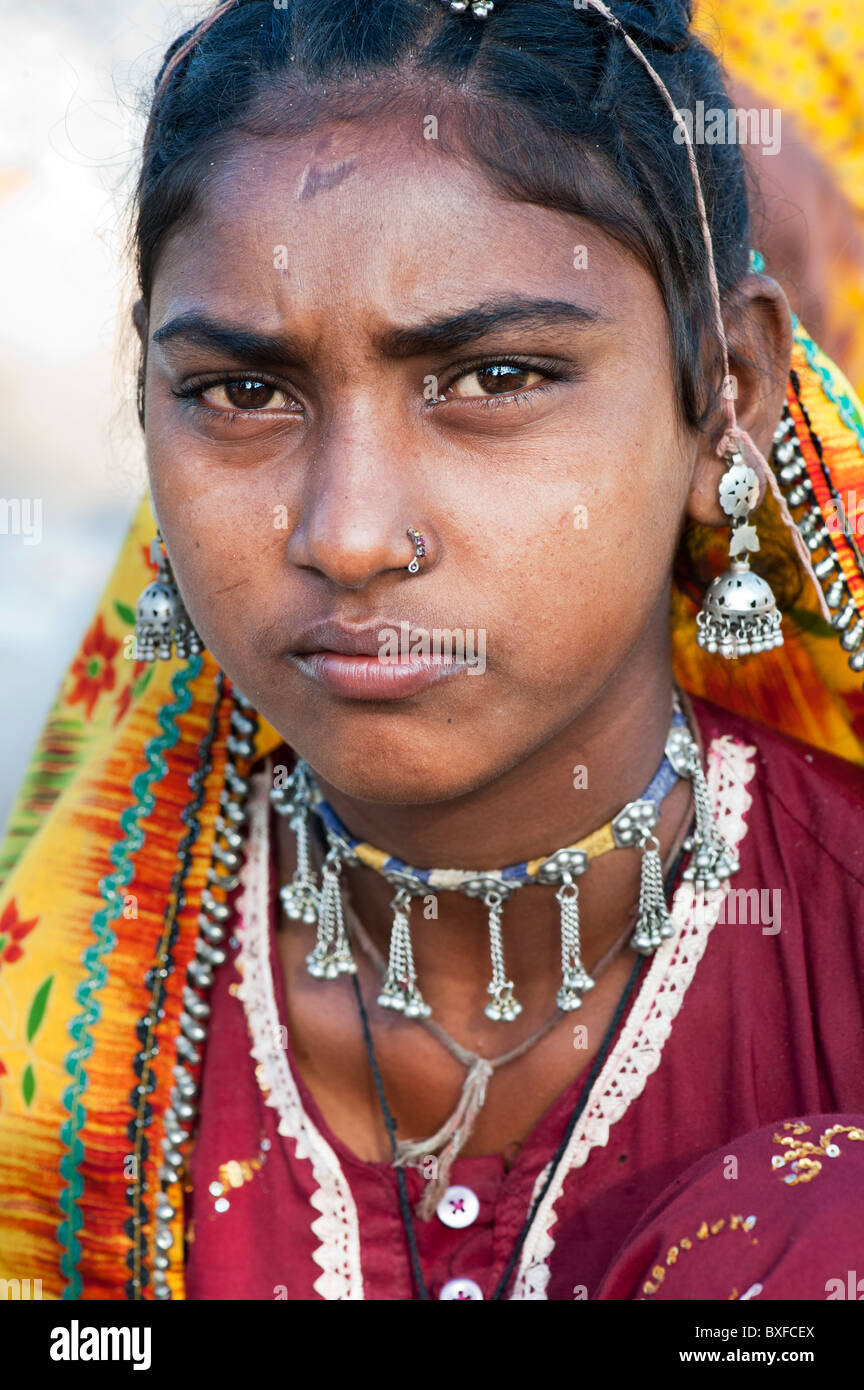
[849,412]
[97,974]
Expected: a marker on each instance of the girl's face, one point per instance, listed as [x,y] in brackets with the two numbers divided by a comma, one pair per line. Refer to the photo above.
[358,336]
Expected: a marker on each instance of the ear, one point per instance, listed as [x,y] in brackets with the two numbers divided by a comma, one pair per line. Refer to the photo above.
[140,320]
[759,334]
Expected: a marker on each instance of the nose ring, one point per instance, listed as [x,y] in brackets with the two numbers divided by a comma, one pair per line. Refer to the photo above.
[419,544]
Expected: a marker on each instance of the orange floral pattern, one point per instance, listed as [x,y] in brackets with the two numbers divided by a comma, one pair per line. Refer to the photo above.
[93,669]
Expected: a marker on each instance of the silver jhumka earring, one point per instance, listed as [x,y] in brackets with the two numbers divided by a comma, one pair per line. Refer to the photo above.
[161,620]
[739,613]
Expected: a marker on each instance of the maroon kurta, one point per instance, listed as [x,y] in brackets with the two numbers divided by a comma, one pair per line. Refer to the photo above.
[737,1024]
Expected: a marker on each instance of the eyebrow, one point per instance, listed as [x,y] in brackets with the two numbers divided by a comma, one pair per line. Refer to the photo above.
[452,331]
[459,329]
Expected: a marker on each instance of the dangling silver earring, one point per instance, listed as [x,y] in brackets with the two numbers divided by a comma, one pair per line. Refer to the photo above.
[739,613]
[161,620]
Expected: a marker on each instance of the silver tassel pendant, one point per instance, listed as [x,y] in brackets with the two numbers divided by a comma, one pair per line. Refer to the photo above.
[575,980]
[332,953]
[399,990]
[503,1007]
[653,923]
[301,898]
[713,860]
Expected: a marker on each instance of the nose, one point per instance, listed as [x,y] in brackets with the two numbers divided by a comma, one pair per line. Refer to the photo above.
[361,499]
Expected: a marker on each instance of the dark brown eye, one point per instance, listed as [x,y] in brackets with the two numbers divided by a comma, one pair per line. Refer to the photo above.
[249,394]
[495,380]
[245,394]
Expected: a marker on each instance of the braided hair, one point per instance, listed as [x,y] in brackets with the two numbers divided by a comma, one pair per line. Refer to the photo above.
[544,96]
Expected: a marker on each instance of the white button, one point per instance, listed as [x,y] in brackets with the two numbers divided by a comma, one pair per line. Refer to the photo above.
[458,1207]
[464,1289]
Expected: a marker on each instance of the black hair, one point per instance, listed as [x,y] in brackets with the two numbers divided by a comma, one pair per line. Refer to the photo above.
[523,90]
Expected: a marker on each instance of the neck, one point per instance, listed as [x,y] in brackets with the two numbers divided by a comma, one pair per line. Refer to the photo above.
[568,786]
[529,812]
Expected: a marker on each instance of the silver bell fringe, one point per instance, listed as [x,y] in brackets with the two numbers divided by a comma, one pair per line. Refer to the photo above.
[214,919]
[653,924]
[332,954]
[503,1006]
[827,570]
[300,897]
[712,860]
[399,990]
[575,980]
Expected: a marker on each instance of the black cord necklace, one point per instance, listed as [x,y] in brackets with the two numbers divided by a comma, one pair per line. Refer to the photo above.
[404,1204]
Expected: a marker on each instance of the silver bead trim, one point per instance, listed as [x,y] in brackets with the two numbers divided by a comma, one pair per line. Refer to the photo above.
[787,451]
[199,976]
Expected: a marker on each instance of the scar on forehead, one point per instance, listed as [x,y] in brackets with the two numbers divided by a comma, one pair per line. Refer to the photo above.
[315,179]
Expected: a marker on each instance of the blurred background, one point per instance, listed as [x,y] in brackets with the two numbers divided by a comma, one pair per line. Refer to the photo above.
[73,81]
[74,78]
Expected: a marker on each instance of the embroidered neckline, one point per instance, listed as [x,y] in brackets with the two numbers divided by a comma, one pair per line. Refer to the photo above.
[633,1059]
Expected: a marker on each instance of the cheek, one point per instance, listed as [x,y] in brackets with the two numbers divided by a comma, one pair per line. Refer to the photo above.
[588,581]
[219,532]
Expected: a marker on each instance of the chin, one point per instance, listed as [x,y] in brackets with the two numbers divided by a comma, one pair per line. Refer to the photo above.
[390,762]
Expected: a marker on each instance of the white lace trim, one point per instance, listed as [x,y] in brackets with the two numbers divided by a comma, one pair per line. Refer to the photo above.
[649,1022]
[337,1226]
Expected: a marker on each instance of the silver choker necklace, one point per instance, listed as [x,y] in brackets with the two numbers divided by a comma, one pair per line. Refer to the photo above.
[320,904]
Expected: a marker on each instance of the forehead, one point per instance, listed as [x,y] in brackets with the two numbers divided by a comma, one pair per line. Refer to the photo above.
[366,219]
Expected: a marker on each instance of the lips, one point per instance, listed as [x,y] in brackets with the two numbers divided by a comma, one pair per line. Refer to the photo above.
[331,636]
[347,662]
